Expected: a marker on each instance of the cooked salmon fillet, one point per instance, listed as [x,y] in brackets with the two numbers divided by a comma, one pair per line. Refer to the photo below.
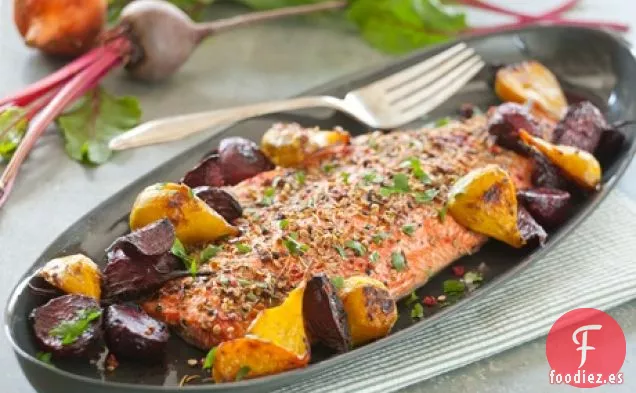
[348,212]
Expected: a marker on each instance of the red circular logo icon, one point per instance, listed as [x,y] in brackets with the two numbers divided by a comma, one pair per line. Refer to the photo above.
[586,348]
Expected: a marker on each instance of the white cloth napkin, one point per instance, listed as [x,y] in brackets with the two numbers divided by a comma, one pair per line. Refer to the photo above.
[595,267]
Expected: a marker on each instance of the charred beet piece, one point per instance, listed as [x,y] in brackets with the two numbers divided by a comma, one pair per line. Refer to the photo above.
[152,240]
[581,127]
[545,174]
[529,229]
[69,326]
[548,206]
[324,314]
[133,334]
[466,111]
[241,159]
[221,201]
[207,173]
[140,262]
[610,144]
[506,120]
[129,277]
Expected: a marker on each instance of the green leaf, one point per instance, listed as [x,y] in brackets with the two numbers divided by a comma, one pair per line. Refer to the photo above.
[441,213]
[399,26]
[283,224]
[44,357]
[400,185]
[416,168]
[358,248]
[443,121]
[372,177]
[268,196]
[93,121]
[398,261]
[208,252]
[300,177]
[408,229]
[242,373]
[374,257]
[426,196]
[337,281]
[12,130]
[179,251]
[417,312]
[454,287]
[294,246]
[378,238]
[412,299]
[345,177]
[341,251]
[328,167]
[243,248]
[71,331]
[209,359]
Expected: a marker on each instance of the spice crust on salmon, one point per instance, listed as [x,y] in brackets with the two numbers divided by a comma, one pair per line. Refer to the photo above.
[375,207]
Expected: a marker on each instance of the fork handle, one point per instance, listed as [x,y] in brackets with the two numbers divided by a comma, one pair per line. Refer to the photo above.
[178,127]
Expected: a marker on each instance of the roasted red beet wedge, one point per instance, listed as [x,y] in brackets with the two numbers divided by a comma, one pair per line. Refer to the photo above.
[549,206]
[506,120]
[241,159]
[610,144]
[133,334]
[207,173]
[221,201]
[152,240]
[581,127]
[69,326]
[547,175]
[531,231]
[324,314]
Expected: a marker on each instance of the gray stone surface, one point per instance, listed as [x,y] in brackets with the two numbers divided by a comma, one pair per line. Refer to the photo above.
[262,62]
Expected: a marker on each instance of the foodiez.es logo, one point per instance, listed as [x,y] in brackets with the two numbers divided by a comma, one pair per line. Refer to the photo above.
[586,348]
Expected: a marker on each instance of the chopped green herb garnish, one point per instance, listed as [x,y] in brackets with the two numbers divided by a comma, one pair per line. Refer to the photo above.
[328,167]
[374,257]
[224,280]
[408,229]
[426,196]
[341,251]
[243,248]
[190,193]
[209,359]
[179,251]
[358,248]
[70,331]
[300,177]
[345,177]
[372,177]
[209,252]
[400,185]
[412,299]
[337,282]
[283,224]
[454,287]
[416,168]
[473,277]
[268,196]
[244,282]
[443,121]
[378,238]
[242,373]
[441,213]
[294,246]
[44,357]
[398,261]
[417,312]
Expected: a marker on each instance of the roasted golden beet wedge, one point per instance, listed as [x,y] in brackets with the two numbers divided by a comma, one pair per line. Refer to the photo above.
[578,165]
[371,311]
[325,317]
[275,342]
[194,221]
[74,274]
[532,82]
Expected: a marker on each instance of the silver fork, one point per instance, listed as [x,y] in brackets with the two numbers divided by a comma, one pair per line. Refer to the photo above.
[387,103]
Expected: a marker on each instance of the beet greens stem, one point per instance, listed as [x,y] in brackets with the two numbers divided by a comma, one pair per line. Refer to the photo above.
[206,29]
[110,57]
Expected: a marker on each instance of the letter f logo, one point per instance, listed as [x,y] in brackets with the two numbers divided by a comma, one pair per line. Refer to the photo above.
[583,344]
